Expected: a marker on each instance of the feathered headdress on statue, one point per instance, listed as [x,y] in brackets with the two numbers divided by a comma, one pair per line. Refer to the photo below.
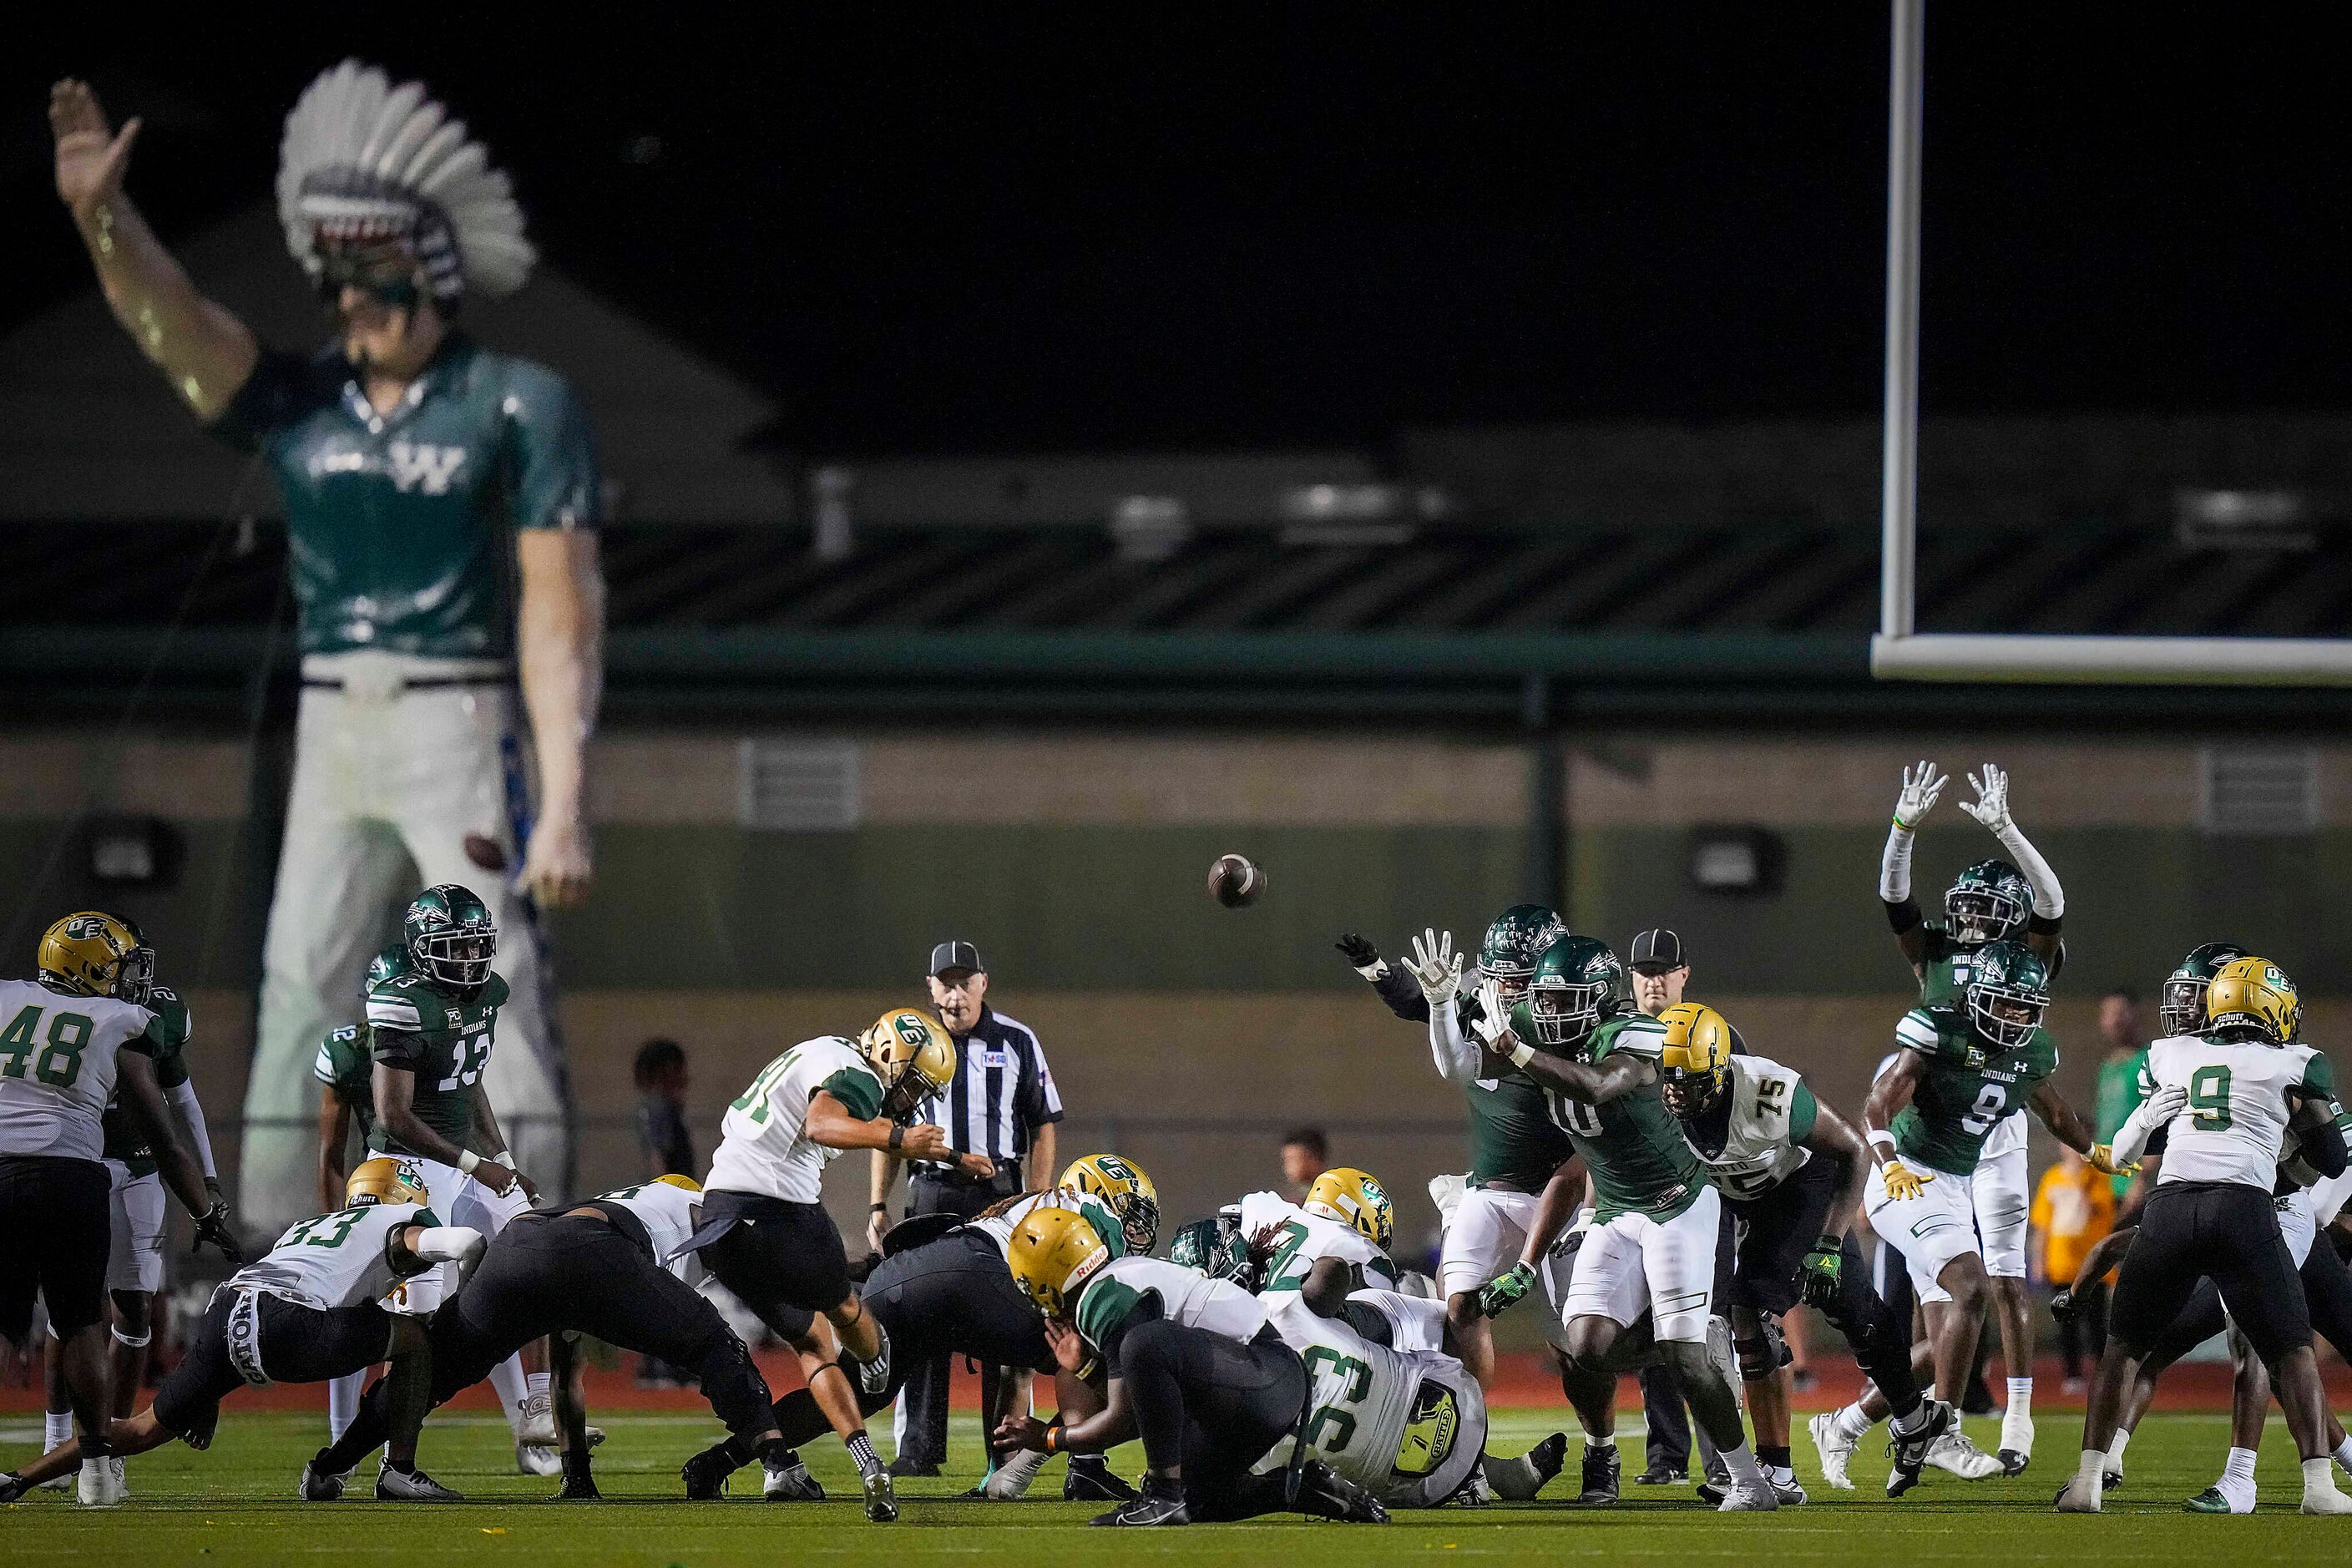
[366,165]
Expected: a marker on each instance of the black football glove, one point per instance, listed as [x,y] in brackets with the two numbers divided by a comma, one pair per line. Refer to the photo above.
[213,1225]
[2062,1305]
[1820,1274]
[1359,953]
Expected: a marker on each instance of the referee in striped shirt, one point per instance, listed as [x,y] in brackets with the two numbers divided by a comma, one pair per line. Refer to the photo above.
[1000,1103]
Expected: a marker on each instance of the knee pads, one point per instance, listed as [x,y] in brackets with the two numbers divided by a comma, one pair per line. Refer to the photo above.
[1764,1354]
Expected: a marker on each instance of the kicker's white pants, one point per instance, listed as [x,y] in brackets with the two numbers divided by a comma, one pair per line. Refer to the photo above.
[389,784]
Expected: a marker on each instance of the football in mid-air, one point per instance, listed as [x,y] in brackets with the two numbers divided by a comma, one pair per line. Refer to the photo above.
[1234,881]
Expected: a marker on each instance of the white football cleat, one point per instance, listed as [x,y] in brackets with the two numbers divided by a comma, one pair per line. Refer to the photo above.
[1013,1474]
[537,1459]
[1749,1497]
[2076,1498]
[1953,1452]
[1835,1450]
[100,1485]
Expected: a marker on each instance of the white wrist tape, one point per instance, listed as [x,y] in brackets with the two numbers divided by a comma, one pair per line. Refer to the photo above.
[449,1243]
[1880,1138]
[1520,1052]
[467,1160]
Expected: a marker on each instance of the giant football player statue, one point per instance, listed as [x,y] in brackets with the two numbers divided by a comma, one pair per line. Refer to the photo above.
[405,452]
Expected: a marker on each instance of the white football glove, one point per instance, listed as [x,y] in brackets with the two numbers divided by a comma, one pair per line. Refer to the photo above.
[1436,966]
[1990,806]
[1493,1023]
[1921,786]
[2167,1103]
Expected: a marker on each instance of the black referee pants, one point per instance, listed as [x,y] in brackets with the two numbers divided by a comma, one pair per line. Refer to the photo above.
[924,1440]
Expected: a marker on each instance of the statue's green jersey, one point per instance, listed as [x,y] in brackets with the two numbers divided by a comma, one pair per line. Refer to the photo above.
[1633,1146]
[399,525]
[1966,1087]
[168,1039]
[445,1039]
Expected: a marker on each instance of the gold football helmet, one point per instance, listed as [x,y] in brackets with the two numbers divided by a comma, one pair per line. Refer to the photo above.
[1357,1201]
[386,1180]
[683,1183]
[2254,993]
[88,954]
[912,1055]
[1120,1183]
[1054,1252]
[1694,1067]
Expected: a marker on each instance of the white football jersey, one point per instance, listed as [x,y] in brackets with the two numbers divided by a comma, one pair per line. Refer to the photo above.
[1186,1296]
[667,1213]
[1300,1240]
[57,1066]
[330,1260]
[1759,1150]
[762,1145]
[2235,1126]
[1406,1428]
[998,1222]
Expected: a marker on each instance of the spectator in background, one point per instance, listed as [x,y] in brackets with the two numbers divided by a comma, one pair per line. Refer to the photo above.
[2073,1209]
[1305,1154]
[2117,1095]
[662,1135]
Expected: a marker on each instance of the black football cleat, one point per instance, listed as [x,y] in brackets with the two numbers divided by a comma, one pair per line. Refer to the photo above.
[1605,1476]
[411,1486]
[905,1468]
[706,1473]
[1093,1482]
[1910,1449]
[1322,1492]
[578,1489]
[1150,1507]
[1663,1476]
[320,1485]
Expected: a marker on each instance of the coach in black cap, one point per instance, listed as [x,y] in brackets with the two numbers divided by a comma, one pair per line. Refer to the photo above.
[1002,1103]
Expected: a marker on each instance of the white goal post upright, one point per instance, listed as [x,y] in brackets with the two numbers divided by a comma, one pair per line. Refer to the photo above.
[1899,652]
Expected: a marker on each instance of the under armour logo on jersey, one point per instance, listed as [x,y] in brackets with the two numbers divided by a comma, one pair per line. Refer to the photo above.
[428,468]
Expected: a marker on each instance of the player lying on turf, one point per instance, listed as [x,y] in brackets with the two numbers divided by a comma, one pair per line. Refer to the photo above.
[1308,1263]
[2224,1102]
[1992,900]
[1791,1170]
[593,1268]
[765,1234]
[1189,1363]
[1960,1071]
[307,1311]
[1496,1216]
[945,1286]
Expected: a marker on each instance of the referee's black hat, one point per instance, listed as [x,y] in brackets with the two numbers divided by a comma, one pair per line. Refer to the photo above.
[956,955]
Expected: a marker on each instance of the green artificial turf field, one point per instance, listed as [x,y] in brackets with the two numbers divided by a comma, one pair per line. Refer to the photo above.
[235,1506]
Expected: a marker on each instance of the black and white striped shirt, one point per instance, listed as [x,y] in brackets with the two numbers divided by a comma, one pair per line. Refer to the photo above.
[1002,1093]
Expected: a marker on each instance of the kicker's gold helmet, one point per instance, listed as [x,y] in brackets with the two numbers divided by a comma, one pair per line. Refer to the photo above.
[2254,993]
[1121,1183]
[912,1055]
[87,955]
[386,1180]
[1695,1066]
[1357,1201]
[1054,1252]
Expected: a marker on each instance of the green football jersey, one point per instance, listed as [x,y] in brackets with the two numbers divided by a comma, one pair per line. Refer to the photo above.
[419,1027]
[1513,1139]
[398,525]
[346,1064]
[1966,1087]
[1633,1146]
[168,1037]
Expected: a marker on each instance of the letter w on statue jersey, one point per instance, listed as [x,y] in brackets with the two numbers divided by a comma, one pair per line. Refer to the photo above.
[418,465]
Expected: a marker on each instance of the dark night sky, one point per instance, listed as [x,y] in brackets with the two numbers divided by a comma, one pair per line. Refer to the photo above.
[982,229]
